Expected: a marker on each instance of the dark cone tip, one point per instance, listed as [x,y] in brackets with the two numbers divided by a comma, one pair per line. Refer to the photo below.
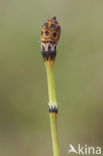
[54,18]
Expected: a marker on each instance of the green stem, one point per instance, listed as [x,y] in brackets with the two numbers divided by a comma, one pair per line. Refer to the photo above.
[53,123]
[51,84]
[52,102]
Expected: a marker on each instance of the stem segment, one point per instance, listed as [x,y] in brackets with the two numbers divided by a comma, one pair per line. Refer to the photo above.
[52,104]
[53,123]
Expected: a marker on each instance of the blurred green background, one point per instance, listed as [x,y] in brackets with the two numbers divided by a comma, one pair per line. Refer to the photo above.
[24,119]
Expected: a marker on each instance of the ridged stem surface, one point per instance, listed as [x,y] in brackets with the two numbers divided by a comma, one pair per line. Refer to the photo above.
[52,102]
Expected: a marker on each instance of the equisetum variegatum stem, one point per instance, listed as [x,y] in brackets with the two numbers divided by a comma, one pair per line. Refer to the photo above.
[50,35]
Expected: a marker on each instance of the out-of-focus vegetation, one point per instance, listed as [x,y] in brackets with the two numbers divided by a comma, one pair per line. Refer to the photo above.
[24,119]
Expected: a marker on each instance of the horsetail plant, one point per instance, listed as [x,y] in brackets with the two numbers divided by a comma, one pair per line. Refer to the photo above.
[50,35]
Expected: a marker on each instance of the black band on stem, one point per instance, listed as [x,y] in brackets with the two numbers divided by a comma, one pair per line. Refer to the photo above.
[53,109]
[48,54]
[48,50]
